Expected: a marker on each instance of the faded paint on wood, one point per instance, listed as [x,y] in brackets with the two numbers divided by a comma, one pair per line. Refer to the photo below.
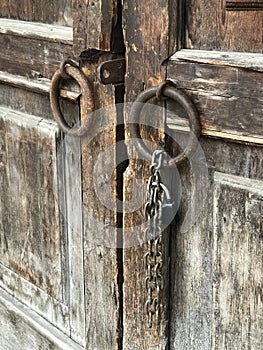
[33,30]
[237,263]
[251,61]
[42,261]
[30,229]
[191,266]
[40,86]
[34,58]
[227,98]
[210,27]
[226,234]
[71,208]
[32,96]
[149,42]
[47,11]
[22,328]
[54,311]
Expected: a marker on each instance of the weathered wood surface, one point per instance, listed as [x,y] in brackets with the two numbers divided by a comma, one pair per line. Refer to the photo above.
[210,27]
[150,30]
[213,304]
[228,98]
[93,24]
[31,57]
[22,328]
[41,256]
[48,11]
[31,235]
[250,61]
[238,264]
[244,5]
[47,274]
[100,220]
[30,226]
[32,95]
[47,32]
[70,92]
[70,199]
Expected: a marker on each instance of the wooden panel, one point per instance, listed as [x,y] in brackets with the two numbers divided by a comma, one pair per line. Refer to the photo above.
[32,246]
[196,316]
[150,29]
[42,261]
[31,57]
[191,267]
[210,27]
[228,98]
[47,11]
[238,264]
[21,328]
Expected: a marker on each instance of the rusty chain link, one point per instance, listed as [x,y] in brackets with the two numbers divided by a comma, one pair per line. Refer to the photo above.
[153,259]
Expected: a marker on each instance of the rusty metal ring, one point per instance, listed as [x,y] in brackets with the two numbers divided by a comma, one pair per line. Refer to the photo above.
[63,65]
[168,91]
[87,104]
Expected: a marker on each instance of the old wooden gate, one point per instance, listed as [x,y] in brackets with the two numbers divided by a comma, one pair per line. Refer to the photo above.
[60,287]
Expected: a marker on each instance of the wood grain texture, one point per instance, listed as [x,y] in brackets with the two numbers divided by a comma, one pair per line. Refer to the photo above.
[148,43]
[51,11]
[93,24]
[227,98]
[237,255]
[70,198]
[32,96]
[31,57]
[250,61]
[100,220]
[191,267]
[21,328]
[210,27]
[44,31]
[244,5]
[213,304]
[28,167]
[32,258]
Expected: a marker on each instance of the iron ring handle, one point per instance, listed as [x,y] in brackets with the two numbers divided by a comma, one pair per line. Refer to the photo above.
[166,90]
[69,69]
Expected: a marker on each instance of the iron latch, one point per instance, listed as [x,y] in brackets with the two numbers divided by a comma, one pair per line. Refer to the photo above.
[112,72]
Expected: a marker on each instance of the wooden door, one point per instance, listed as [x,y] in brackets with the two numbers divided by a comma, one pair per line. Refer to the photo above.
[212,50]
[58,289]
[61,288]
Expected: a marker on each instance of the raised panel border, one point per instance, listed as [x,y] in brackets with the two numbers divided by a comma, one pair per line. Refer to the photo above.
[71,319]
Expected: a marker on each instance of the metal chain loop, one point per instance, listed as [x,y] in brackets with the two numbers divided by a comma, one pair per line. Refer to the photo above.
[153,258]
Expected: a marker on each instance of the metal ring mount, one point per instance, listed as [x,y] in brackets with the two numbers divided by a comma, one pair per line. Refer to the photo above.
[69,68]
[167,90]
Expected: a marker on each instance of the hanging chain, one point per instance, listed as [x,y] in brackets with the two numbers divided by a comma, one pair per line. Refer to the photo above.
[153,258]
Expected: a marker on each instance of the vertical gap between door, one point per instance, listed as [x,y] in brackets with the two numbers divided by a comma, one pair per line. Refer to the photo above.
[122,162]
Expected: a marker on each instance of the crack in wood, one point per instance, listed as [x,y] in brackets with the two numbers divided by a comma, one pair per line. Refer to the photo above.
[244,5]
